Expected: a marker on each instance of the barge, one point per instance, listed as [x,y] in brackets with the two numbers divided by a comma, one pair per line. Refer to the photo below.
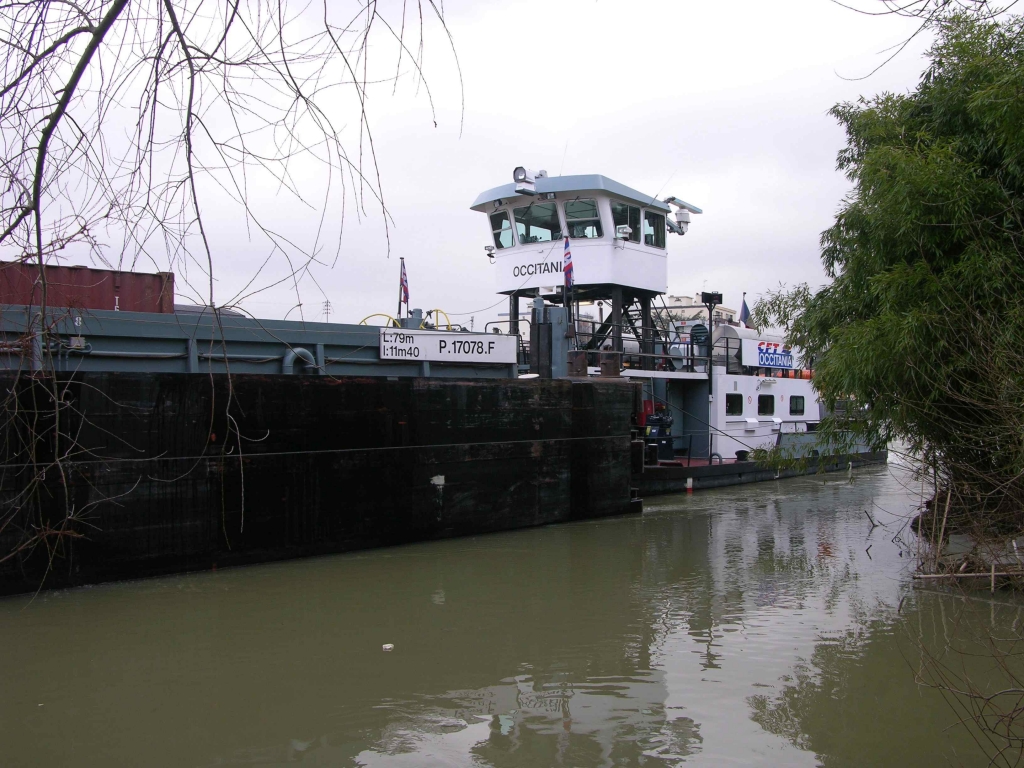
[146,437]
[713,390]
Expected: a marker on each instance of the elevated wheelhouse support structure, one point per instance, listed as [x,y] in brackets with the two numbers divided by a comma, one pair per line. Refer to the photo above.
[631,310]
[615,237]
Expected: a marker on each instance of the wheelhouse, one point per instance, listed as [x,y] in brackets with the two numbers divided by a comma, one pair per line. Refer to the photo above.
[616,234]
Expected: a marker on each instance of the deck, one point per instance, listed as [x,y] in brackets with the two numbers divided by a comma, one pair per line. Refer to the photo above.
[682,474]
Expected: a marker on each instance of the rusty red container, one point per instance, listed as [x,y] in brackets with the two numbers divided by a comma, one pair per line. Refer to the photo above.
[87,288]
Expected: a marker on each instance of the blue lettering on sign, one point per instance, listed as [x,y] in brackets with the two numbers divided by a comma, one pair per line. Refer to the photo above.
[771,355]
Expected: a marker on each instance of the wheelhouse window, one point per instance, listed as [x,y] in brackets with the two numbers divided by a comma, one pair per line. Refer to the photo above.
[628,215]
[583,219]
[734,405]
[501,228]
[766,405]
[796,405]
[654,229]
[538,223]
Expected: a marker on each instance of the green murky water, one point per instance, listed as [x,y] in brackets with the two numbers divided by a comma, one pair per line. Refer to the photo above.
[744,626]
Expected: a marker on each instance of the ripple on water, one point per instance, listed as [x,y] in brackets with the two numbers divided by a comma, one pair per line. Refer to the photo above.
[738,626]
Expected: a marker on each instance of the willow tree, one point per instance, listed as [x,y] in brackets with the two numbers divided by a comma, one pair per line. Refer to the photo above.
[920,334]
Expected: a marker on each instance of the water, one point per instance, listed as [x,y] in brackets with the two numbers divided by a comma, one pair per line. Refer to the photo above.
[744,626]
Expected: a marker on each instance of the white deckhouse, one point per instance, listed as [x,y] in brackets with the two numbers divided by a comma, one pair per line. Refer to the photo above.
[756,389]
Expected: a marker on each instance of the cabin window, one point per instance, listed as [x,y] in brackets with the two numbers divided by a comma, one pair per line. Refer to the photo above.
[734,405]
[654,229]
[766,405]
[628,215]
[501,228]
[538,223]
[796,405]
[583,219]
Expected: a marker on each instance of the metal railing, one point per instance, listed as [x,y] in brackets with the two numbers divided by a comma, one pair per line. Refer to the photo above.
[728,354]
[523,345]
[668,350]
[665,351]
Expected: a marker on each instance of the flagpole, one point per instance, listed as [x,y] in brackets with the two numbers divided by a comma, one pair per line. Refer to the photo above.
[567,295]
[401,270]
[576,315]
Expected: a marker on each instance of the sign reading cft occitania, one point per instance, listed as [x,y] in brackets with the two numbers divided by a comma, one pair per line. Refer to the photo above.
[767,354]
[442,347]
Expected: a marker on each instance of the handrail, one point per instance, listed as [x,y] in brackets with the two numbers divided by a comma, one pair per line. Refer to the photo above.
[500,322]
[380,314]
[448,320]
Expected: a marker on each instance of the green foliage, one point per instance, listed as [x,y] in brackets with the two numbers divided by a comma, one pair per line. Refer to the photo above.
[921,331]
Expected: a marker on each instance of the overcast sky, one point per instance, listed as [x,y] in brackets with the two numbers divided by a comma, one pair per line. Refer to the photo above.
[722,104]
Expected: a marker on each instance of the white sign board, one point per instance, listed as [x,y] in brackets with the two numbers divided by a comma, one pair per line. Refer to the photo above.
[767,354]
[442,347]
[594,262]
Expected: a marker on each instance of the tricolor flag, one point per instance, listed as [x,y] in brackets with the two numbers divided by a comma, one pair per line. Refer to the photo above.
[404,286]
[567,266]
[744,312]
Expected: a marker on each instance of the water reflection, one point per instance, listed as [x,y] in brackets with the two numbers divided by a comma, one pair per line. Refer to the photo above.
[737,626]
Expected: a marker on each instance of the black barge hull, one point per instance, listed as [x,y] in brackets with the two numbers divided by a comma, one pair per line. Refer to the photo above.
[147,474]
[666,479]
